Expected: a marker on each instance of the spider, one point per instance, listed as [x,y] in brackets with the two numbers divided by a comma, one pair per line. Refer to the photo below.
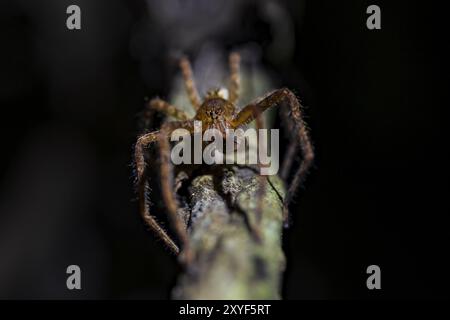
[221,113]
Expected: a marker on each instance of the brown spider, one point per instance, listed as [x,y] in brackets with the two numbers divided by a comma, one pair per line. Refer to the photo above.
[215,112]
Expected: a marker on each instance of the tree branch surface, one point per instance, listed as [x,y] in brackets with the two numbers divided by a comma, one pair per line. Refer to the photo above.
[230,263]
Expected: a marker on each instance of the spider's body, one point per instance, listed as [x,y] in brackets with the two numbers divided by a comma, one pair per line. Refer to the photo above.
[217,111]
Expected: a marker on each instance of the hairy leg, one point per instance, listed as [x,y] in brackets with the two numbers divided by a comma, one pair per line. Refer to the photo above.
[166,108]
[289,156]
[141,143]
[235,80]
[249,113]
[189,83]
[167,182]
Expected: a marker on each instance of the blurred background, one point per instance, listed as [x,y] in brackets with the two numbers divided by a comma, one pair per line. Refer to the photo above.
[70,102]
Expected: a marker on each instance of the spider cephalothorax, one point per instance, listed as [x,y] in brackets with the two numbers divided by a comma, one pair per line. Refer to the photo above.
[217,111]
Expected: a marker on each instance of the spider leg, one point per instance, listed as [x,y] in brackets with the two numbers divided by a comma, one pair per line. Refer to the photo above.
[166,108]
[235,80]
[305,145]
[288,160]
[141,143]
[249,113]
[289,157]
[189,83]
[168,186]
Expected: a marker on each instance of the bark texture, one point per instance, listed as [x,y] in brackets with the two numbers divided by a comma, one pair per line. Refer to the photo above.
[230,263]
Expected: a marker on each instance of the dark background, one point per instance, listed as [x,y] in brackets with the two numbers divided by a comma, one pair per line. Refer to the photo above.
[69,104]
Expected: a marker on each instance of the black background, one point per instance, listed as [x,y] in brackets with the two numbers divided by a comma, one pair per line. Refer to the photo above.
[69,101]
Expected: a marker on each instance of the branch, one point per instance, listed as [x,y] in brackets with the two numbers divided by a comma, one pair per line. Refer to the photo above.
[229,262]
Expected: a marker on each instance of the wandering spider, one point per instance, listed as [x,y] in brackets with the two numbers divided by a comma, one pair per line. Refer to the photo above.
[218,112]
